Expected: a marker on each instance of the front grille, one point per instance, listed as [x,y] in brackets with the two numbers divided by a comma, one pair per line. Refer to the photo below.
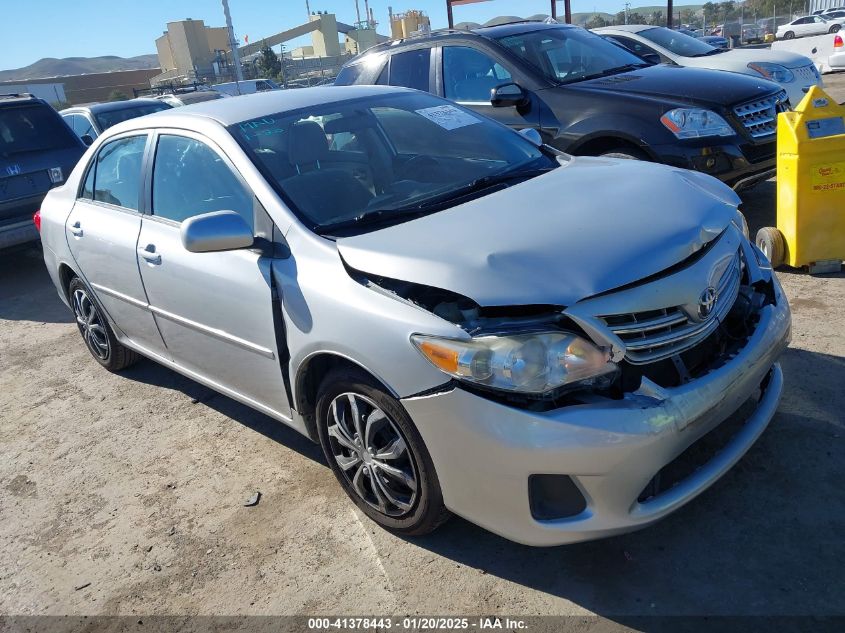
[760,117]
[658,334]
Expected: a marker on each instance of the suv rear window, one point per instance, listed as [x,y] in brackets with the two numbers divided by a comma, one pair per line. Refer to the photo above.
[410,69]
[112,117]
[33,128]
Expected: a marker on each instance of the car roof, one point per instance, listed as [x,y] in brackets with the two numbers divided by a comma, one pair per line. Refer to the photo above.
[246,107]
[489,32]
[630,28]
[16,98]
[111,106]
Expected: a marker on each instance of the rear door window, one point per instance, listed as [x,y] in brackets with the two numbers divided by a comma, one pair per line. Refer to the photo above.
[117,179]
[33,128]
[411,69]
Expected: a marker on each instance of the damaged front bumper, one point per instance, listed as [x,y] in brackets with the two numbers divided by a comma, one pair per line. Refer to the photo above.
[484,452]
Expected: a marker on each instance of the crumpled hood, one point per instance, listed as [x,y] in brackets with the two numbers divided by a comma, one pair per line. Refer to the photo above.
[590,226]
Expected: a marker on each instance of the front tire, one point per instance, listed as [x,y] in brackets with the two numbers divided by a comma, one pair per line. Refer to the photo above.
[788,35]
[377,454]
[95,329]
[625,153]
[835,28]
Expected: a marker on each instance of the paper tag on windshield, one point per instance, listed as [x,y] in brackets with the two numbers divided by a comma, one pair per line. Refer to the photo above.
[448,116]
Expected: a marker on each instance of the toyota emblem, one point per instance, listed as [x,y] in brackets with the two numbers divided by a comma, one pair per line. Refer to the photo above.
[707,301]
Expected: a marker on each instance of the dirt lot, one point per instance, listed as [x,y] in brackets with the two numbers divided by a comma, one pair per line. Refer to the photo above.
[135,483]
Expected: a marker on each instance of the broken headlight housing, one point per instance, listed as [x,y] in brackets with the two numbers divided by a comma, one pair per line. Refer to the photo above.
[534,363]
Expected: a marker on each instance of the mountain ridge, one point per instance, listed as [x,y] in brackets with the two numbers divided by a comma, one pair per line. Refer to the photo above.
[47,67]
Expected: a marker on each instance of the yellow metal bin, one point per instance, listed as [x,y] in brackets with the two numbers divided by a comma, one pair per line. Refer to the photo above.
[810,187]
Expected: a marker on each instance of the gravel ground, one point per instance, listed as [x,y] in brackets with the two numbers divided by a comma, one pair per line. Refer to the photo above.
[123,494]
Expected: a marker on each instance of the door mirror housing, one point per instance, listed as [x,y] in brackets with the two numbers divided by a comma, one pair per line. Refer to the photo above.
[651,58]
[216,231]
[87,139]
[509,94]
[532,135]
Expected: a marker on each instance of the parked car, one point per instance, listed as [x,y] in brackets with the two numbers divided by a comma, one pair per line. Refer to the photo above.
[433,298]
[836,15]
[89,121]
[716,41]
[37,152]
[770,25]
[751,33]
[828,11]
[179,99]
[808,25]
[586,95]
[246,87]
[795,73]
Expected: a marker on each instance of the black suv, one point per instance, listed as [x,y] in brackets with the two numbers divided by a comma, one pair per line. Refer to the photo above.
[37,152]
[588,96]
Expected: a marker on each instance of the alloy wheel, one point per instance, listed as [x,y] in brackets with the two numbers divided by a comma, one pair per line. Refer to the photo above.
[372,454]
[91,324]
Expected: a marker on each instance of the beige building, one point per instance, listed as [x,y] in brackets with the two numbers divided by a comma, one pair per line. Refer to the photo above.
[402,25]
[187,47]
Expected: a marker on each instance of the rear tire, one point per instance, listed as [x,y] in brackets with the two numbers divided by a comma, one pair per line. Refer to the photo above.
[835,28]
[95,329]
[770,241]
[377,454]
[788,35]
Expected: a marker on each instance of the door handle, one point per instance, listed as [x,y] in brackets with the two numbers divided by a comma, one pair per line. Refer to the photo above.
[148,252]
[76,229]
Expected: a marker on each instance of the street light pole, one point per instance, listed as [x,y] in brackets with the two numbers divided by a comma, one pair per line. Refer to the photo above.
[236,56]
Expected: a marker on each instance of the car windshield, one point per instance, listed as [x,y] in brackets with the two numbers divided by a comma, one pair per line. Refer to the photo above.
[566,55]
[33,128]
[678,43]
[353,166]
[108,118]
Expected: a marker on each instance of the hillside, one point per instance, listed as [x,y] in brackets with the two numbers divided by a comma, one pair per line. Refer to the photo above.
[52,67]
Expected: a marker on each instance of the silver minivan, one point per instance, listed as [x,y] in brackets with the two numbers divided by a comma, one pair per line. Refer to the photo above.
[556,348]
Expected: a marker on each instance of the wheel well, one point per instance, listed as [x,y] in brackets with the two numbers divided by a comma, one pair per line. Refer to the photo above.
[597,146]
[308,379]
[66,275]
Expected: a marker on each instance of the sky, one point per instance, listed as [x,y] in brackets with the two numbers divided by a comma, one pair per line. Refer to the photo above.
[32,29]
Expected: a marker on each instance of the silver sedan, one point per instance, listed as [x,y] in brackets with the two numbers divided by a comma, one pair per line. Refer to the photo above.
[556,348]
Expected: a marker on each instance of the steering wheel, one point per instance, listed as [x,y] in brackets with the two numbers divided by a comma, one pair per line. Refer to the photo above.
[419,163]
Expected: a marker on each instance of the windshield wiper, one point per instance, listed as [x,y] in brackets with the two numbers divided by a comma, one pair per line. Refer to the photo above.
[715,51]
[607,72]
[379,216]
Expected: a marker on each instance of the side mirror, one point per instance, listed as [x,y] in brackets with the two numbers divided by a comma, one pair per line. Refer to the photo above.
[216,231]
[651,58]
[509,94]
[87,139]
[532,135]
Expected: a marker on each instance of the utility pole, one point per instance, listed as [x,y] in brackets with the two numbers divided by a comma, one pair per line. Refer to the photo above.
[627,6]
[236,56]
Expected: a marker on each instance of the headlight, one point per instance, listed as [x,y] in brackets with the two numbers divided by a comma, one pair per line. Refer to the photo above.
[695,123]
[775,72]
[741,223]
[526,363]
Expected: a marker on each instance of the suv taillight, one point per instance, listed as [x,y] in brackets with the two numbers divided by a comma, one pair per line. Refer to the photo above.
[36,219]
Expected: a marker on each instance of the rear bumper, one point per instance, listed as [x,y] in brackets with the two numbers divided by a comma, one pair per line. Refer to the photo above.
[484,452]
[837,61]
[18,232]
[729,163]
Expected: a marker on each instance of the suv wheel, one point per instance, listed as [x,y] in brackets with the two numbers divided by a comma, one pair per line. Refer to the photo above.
[377,454]
[624,152]
[96,331]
